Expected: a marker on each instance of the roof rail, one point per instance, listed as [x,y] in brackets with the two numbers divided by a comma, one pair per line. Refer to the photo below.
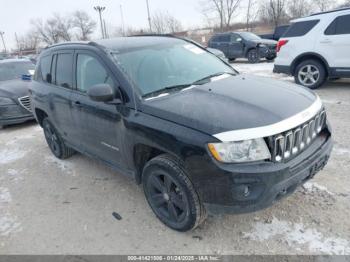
[68,43]
[331,11]
[153,34]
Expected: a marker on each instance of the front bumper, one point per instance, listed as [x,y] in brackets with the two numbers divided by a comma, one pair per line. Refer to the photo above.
[268,52]
[14,114]
[247,188]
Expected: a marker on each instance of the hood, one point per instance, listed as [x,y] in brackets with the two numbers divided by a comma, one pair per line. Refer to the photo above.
[14,88]
[233,103]
[265,42]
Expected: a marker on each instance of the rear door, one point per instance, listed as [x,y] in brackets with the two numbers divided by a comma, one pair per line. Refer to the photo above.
[61,79]
[335,43]
[98,125]
[221,42]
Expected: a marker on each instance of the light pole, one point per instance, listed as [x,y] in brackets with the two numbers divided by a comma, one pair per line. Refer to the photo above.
[100,9]
[3,40]
[149,16]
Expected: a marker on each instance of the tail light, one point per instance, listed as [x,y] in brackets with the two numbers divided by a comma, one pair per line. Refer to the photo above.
[280,44]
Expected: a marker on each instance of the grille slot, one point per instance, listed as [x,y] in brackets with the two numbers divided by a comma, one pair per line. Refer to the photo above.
[25,103]
[292,142]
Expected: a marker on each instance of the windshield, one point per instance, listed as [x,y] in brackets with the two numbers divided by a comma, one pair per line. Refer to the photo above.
[158,67]
[14,70]
[250,36]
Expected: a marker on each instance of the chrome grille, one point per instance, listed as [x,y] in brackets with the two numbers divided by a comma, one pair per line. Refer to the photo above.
[292,142]
[25,102]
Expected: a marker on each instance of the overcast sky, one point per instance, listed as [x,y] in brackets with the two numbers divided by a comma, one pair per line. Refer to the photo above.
[15,15]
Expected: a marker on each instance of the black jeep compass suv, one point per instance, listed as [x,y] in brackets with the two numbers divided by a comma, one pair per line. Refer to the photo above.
[196,134]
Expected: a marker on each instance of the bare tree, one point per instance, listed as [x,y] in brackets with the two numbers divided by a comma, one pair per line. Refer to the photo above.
[324,5]
[165,23]
[29,41]
[344,4]
[83,22]
[299,8]
[251,14]
[274,12]
[222,9]
[54,29]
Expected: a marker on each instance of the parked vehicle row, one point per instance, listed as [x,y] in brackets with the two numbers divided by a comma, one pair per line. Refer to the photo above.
[195,133]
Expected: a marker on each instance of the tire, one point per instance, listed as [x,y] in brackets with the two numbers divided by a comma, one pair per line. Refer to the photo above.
[270,58]
[253,56]
[310,73]
[55,142]
[171,195]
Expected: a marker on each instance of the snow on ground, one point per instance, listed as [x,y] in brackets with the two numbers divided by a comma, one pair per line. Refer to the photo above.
[297,234]
[260,69]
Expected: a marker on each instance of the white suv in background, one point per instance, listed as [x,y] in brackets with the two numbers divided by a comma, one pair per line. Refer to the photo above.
[316,48]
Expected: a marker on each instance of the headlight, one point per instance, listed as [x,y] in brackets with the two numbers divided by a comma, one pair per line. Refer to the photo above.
[240,151]
[262,46]
[4,101]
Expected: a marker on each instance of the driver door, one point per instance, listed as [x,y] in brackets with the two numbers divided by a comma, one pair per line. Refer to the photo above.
[236,49]
[98,124]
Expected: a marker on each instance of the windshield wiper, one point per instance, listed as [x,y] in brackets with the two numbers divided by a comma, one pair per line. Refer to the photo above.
[201,81]
[165,89]
[206,79]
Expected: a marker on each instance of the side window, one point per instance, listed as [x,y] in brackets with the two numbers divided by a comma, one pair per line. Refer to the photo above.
[340,26]
[300,28]
[225,38]
[45,68]
[234,38]
[64,75]
[90,72]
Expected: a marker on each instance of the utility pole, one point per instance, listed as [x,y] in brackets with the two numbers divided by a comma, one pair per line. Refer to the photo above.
[149,16]
[100,9]
[122,19]
[3,40]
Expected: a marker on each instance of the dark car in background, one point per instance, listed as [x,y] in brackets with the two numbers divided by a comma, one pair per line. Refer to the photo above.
[277,34]
[15,76]
[195,133]
[244,45]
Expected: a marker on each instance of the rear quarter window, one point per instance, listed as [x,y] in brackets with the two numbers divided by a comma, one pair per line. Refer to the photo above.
[300,28]
[221,38]
[340,26]
[45,68]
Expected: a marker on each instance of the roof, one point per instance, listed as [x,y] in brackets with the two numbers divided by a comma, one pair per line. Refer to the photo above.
[125,43]
[331,11]
[131,42]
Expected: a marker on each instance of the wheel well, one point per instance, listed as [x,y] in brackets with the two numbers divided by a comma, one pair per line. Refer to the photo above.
[300,59]
[40,115]
[142,154]
[250,48]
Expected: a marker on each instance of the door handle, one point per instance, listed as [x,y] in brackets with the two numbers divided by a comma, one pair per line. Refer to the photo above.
[77,104]
[326,41]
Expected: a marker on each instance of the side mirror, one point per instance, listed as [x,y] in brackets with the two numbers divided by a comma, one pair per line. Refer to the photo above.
[101,93]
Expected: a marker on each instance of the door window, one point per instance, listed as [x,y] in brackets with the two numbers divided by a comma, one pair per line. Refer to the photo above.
[90,72]
[64,75]
[340,26]
[234,38]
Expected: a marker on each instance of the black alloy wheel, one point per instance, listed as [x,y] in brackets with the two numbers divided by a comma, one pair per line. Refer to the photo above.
[55,142]
[171,195]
